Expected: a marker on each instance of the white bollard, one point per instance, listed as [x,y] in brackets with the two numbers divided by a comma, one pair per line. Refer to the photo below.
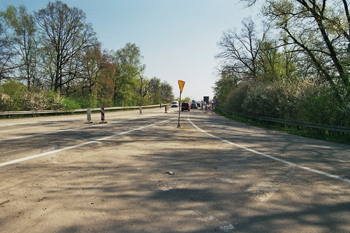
[88,112]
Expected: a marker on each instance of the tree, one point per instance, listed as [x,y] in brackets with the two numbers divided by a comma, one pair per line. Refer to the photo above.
[155,90]
[166,92]
[92,63]
[225,85]
[64,36]
[240,52]
[105,84]
[5,55]
[142,91]
[320,30]
[22,42]
[129,69]
[275,64]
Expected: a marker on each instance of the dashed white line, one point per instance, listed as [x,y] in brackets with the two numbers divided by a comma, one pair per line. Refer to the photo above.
[272,157]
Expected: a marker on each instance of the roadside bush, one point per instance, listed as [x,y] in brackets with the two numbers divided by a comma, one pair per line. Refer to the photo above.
[236,98]
[13,96]
[324,108]
[301,100]
[5,101]
[70,104]
[89,101]
[34,101]
[54,101]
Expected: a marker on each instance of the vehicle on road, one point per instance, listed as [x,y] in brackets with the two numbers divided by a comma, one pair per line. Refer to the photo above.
[175,104]
[185,106]
[193,105]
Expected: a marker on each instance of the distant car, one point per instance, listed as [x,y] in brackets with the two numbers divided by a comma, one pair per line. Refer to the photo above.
[193,105]
[185,106]
[175,104]
[198,104]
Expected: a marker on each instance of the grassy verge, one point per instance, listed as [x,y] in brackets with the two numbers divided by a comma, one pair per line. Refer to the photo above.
[297,130]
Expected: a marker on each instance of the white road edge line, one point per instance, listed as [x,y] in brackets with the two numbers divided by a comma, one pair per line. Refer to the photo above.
[59,131]
[80,145]
[272,157]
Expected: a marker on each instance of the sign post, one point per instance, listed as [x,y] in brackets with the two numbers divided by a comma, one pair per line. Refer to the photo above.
[181,86]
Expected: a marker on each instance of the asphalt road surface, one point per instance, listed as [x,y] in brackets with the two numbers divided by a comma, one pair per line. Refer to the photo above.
[141,173]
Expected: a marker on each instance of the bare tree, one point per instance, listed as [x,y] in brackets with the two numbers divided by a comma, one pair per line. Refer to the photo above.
[22,42]
[65,34]
[5,55]
[240,52]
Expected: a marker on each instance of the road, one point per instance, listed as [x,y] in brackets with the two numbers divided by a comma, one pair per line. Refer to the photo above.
[141,173]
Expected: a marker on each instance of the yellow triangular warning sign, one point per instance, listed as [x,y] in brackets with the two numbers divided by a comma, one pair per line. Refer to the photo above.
[181,85]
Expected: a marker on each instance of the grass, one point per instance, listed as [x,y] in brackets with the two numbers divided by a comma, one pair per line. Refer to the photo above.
[331,136]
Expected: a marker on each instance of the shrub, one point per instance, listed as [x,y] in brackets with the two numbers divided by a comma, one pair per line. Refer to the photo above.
[236,98]
[54,101]
[35,101]
[301,100]
[14,93]
[70,104]
[5,101]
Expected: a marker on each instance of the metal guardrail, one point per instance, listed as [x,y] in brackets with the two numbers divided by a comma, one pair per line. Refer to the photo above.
[43,112]
[295,123]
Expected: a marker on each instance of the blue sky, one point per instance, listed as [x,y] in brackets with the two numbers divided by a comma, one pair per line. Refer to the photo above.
[177,38]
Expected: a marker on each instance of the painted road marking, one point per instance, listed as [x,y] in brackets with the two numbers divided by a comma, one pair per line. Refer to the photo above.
[272,157]
[64,130]
[81,144]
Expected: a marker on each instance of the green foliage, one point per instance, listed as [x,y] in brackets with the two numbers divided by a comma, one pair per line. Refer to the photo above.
[31,52]
[70,104]
[224,86]
[186,99]
[89,101]
[303,100]
[54,100]
[14,94]
[324,108]
[302,131]
[5,101]
[236,98]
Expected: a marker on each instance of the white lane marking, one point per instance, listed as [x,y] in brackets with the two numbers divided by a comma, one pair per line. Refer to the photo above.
[75,118]
[81,144]
[63,130]
[272,157]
